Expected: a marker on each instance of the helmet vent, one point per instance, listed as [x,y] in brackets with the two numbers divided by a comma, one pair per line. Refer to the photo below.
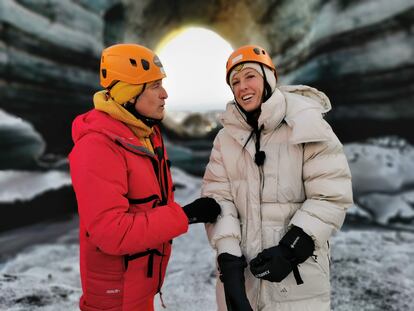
[104,73]
[257,51]
[133,62]
[145,64]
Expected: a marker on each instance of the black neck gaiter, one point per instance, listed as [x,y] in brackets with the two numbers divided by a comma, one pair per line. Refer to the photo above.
[150,122]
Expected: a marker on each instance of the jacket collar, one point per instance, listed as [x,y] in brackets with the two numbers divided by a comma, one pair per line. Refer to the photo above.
[300,106]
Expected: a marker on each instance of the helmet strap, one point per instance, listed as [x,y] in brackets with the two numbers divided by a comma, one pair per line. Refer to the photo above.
[267,90]
[108,89]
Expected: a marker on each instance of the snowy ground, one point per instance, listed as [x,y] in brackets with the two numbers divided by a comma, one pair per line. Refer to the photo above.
[371,270]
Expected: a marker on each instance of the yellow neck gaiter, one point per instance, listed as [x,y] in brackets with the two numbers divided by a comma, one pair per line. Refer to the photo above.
[104,103]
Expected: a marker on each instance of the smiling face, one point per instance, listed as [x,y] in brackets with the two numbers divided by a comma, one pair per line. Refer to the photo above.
[247,88]
[151,102]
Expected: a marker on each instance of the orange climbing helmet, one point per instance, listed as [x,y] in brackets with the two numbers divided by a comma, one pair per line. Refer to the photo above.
[131,63]
[249,53]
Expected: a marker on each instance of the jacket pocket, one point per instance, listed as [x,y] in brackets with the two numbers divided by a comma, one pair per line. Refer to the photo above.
[103,291]
[104,279]
[314,272]
[138,285]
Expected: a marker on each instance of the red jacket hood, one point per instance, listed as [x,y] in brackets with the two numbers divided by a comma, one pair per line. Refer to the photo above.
[101,122]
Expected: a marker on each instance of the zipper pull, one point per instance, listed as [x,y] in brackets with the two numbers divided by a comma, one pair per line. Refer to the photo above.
[162,301]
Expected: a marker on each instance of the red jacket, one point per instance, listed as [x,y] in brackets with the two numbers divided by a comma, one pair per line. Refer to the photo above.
[128,216]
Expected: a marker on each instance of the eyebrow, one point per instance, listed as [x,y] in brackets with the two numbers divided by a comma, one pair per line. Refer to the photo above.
[155,82]
[248,71]
[244,73]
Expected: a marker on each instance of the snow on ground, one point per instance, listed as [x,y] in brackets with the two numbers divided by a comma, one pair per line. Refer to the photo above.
[44,277]
[191,279]
[371,270]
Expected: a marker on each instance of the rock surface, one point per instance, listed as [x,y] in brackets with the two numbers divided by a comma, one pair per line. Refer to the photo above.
[20,145]
[383,180]
[359,52]
[49,59]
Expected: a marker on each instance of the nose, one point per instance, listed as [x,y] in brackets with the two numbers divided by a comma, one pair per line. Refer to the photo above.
[243,84]
[164,94]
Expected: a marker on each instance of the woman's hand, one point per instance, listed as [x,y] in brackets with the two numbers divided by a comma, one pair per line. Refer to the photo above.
[232,275]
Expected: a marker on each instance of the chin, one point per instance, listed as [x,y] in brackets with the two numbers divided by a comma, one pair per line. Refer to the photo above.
[160,116]
[252,107]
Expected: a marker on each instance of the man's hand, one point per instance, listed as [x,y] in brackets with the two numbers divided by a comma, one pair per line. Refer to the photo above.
[202,210]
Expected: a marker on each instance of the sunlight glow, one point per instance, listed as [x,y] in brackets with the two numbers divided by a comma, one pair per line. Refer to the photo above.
[194,60]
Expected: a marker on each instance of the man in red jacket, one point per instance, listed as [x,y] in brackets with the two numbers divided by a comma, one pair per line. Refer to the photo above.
[120,173]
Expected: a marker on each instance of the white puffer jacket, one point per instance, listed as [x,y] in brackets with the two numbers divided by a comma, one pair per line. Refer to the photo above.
[305,181]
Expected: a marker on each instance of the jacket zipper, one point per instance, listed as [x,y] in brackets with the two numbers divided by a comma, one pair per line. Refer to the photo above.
[162,176]
[163,180]
[261,176]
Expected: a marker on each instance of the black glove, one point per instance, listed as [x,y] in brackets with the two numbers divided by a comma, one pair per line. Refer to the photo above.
[202,210]
[232,275]
[275,263]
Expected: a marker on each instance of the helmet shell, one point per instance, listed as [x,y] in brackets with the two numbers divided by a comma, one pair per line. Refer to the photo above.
[130,63]
[249,53]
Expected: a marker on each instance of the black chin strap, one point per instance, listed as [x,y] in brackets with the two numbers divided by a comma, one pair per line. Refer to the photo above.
[267,92]
[150,122]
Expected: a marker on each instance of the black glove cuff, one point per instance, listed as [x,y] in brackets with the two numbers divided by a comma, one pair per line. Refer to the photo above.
[231,266]
[300,244]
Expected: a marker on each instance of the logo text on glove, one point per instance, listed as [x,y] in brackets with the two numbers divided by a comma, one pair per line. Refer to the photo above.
[262,274]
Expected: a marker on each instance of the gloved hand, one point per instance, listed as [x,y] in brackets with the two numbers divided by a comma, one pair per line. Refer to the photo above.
[275,263]
[202,210]
[232,275]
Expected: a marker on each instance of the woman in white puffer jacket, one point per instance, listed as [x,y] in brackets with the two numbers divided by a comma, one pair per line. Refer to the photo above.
[283,182]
